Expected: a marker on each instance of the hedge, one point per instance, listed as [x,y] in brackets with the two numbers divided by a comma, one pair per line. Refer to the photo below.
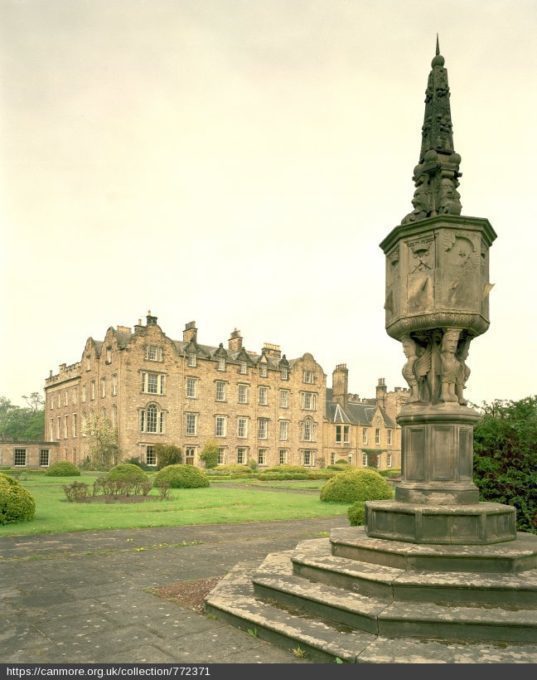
[181,477]
[63,468]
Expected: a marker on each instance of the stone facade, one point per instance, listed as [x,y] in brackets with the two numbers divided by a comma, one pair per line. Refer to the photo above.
[361,430]
[28,454]
[258,406]
[154,390]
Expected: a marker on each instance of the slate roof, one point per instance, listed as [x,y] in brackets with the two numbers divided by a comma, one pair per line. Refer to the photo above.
[354,413]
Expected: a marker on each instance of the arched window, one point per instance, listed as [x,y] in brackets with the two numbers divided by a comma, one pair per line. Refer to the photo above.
[152,419]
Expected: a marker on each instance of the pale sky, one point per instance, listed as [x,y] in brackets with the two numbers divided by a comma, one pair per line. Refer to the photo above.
[238,162]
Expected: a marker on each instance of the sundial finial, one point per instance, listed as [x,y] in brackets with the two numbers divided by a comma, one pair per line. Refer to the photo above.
[437,45]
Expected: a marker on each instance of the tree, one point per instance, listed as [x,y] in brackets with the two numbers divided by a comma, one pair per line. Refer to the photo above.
[209,455]
[505,457]
[103,440]
[168,454]
[22,423]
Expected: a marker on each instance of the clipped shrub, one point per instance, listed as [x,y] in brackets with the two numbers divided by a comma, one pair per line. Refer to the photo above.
[274,476]
[63,468]
[76,491]
[136,461]
[287,468]
[356,485]
[356,514]
[338,467]
[16,503]
[181,477]
[252,464]
[234,469]
[126,472]
[341,461]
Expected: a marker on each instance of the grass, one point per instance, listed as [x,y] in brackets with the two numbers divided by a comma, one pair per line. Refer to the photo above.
[213,505]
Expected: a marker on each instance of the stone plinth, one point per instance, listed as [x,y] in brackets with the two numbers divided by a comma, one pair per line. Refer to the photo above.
[477,524]
[437,445]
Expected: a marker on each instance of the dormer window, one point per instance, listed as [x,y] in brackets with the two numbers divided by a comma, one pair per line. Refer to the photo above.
[243,367]
[192,360]
[284,373]
[221,364]
[108,355]
[263,372]
[309,377]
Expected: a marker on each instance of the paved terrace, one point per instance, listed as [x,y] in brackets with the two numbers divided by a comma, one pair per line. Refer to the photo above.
[86,597]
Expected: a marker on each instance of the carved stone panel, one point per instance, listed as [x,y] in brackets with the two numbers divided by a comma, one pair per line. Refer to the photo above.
[420,281]
[415,453]
[443,452]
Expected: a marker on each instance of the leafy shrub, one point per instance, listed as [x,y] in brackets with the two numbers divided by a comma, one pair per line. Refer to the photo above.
[136,461]
[341,461]
[232,469]
[76,491]
[390,473]
[16,503]
[252,464]
[181,477]
[164,491]
[168,454]
[356,485]
[356,514]
[122,487]
[126,472]
[505,457]
[270,476]
[209,455]
[287,468]
[338,467]
[63,468]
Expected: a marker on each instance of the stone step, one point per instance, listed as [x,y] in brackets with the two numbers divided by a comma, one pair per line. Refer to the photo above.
[509,557]
[275,581]
[233,600]
[313,560]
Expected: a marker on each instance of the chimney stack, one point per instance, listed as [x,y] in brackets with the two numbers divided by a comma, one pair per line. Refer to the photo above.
[191,332]
[272,351]
[381,392]
[234,344]
[340,384]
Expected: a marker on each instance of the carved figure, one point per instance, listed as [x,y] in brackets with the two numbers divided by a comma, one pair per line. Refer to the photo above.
[450,365]
[449,198]
[421,201]
[464,371]
[409,348]
[422,370]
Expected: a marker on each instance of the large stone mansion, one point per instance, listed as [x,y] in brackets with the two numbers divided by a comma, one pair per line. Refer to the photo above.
[259,406]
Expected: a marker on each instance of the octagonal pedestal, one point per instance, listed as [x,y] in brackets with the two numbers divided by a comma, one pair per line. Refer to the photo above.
[477,524]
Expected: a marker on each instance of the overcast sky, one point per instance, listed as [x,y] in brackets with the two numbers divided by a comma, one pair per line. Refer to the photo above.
[238,162]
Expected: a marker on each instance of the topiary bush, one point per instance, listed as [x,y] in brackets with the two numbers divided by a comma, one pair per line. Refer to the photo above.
[63,468]
[126,472]
[16,503]
[356,485]
[181,477]
[356,514]
[341,461]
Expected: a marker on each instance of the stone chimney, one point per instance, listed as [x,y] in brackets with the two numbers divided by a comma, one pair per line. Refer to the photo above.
[272,351]
[191,332]
[381,392]
[340,384]
[123,329]
[234,344]
[150,320]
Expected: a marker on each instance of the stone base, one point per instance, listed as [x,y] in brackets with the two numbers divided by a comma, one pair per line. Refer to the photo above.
[362,600]
[476,524]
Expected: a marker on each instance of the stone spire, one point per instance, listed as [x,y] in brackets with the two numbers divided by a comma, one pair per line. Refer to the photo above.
[436,175]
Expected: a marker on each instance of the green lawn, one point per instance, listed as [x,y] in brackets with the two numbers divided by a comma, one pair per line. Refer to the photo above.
[213,505]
